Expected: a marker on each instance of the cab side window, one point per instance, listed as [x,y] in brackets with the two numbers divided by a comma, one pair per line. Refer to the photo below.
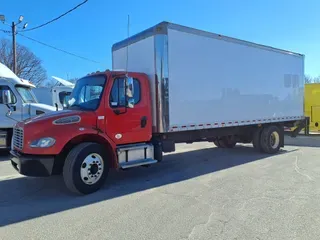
[118,97]
[11,95]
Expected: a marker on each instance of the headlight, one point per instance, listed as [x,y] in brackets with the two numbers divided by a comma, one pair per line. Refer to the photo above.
[43,142]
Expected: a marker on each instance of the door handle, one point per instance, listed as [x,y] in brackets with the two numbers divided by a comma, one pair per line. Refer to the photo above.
[143,122]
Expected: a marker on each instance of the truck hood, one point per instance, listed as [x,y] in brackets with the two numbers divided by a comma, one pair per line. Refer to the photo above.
[44,126]
[52,115]
[34,109]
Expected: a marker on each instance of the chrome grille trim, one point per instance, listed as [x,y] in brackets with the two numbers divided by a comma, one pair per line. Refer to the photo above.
[18,138]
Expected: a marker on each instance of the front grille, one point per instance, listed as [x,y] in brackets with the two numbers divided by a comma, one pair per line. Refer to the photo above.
[18,138]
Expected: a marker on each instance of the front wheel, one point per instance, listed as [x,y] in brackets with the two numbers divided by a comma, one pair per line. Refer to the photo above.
[86,168]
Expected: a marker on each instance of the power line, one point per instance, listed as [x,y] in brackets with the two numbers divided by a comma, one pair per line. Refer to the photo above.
[58,49]
[5,31]
[55,19]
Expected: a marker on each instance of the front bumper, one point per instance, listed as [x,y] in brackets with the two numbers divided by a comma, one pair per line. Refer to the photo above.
[32,165]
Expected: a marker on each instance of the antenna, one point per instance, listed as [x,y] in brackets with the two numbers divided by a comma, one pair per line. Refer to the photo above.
[128,34]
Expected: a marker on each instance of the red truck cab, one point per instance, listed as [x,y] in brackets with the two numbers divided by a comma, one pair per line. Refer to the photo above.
[107,110]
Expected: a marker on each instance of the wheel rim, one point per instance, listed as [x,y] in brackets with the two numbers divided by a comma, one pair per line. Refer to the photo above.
[274,140]
[92,168]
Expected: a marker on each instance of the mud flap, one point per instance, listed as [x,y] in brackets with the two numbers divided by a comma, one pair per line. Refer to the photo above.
[303,124]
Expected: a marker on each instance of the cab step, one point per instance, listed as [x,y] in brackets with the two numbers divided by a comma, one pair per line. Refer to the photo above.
[137,163]
[134,155]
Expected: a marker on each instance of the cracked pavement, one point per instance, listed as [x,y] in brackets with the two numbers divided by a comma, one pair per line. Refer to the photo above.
[199,192]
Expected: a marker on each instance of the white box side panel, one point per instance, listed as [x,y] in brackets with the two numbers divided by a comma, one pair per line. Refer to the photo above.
[216,82]
[141,59]
[43,95]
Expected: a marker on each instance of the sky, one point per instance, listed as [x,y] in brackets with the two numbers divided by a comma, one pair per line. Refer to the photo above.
[91,30]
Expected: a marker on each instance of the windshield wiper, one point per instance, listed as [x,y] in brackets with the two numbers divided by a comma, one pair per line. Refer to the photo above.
[74,105]
[78,106]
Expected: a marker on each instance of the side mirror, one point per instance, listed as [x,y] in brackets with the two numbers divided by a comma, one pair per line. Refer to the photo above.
[129,87]
[6,97]
[130,103]
[129,92]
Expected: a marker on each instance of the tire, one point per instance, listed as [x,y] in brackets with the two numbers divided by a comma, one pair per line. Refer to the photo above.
[270,139]
[217,143]
[82,161]
[222,143]
[256,140]
[227,142]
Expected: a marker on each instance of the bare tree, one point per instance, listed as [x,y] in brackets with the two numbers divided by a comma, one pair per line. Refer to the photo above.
[308,79]
[28,64]
[316,79]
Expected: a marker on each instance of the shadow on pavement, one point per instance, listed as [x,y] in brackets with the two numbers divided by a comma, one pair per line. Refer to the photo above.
[4,155]
[303,141]
[26,198]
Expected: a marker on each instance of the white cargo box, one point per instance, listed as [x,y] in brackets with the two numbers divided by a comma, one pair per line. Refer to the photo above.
[43,95]
[205,80]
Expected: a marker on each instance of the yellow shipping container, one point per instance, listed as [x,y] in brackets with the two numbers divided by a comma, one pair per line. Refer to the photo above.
[312,105]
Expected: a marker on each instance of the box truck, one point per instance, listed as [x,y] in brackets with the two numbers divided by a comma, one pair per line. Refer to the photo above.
[16,94]
[57,96]
[180,85]
[312,105]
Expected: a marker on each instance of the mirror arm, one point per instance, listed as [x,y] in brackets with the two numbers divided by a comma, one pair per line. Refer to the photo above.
[14,108]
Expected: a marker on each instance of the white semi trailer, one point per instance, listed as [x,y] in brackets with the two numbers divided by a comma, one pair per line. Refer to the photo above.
[17,95]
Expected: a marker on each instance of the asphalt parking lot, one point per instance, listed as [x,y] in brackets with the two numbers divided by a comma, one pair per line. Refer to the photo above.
[199,192]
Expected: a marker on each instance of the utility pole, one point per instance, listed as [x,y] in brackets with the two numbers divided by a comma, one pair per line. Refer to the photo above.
[13,29]
[14,45]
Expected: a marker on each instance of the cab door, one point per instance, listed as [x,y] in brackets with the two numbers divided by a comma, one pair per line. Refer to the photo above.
[8,122]
[124,124]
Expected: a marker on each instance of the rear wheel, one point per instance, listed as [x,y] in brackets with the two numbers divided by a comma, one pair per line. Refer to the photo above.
[229,142]
[222,143]
[217,143]
[225,142]
[86,168]
[270,139]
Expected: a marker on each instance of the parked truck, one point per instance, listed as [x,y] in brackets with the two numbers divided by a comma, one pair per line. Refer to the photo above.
[312,105]
[181,85]
[57,96]
[18,94]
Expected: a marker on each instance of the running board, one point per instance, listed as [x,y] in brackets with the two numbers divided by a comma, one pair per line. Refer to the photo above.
[136,163]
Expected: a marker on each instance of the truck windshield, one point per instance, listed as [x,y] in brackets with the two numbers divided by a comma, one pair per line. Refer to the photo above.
[87,93]
[26,94]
